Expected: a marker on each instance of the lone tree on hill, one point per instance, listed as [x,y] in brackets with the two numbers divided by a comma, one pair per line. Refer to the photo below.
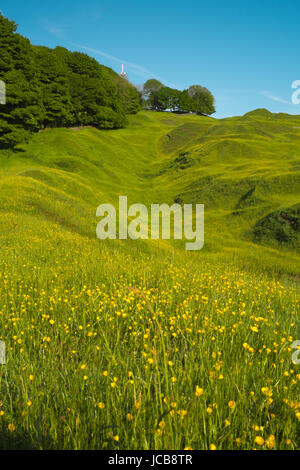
[203,100]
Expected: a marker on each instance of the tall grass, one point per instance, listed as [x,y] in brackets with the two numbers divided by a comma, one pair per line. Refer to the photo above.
[140,345]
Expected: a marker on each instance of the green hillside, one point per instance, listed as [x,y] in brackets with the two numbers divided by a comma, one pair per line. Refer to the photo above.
[242,169]
[141,344]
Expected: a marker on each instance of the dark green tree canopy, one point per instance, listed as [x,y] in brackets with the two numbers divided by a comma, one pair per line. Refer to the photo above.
[55,87]
[149,92]
[58,88]
[203,99]
[152,86]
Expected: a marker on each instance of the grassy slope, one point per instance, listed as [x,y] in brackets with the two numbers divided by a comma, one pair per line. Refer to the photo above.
[240,168]
[159,319]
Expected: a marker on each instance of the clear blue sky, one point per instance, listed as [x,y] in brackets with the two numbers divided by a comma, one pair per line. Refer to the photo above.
[245,51]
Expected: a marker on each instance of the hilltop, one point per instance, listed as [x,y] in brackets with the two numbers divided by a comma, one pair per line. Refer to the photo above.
[244,169]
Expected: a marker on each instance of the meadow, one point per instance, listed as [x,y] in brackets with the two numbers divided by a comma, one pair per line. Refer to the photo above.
[140,344]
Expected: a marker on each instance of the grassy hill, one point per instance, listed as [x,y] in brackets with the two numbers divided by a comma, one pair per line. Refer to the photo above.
[243,169]
[140,344]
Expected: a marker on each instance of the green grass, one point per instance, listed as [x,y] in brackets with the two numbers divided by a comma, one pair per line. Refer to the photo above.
[160,320]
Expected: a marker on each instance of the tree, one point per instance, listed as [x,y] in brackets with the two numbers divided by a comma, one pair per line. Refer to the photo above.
[21,114]
[150,90]
[93,92]
[160,98]
[185,102]
[167,98]
[55,87]
[56,97]
[129,96]
[152,86]
[203,99]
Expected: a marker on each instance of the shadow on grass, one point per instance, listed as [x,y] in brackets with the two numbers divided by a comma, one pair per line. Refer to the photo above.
[14,440]
[12,149]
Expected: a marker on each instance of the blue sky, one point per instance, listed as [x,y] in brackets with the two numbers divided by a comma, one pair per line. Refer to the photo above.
[245,51]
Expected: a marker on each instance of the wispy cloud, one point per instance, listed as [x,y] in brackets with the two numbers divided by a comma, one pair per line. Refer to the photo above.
[60,25]
[268,95]
[55,30]
[135,68]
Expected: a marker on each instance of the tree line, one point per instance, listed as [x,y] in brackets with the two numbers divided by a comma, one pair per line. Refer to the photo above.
[57,88]
[196,99]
